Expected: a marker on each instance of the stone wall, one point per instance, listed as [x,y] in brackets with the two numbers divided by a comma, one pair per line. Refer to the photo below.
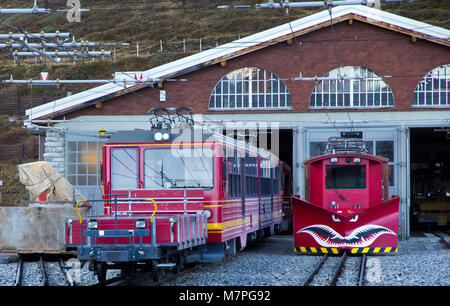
[55,142]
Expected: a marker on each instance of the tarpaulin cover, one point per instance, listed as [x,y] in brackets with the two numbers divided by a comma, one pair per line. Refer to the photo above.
[40,176]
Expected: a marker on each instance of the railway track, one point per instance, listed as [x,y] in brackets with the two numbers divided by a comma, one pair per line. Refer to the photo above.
[443,238]
[42,273]
[145,277]
[330,269]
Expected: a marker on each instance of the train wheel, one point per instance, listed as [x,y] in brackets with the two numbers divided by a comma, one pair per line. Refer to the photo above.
[100,268]
[156,272]
[277,229]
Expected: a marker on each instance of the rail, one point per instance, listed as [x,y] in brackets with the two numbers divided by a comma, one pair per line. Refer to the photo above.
[337,270]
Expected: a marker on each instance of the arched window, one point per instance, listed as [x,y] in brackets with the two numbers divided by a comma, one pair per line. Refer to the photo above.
[250,88]
[434,89]
[351,87]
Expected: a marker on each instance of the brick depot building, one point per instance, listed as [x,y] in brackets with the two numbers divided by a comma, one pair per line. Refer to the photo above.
[363,70]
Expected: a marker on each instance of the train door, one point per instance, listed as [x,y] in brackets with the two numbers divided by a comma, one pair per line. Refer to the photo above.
[124,170]
[272,187]
[242,183]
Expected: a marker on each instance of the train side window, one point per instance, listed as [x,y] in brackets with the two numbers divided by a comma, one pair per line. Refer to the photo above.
[265,177]
[345,177]
[234,176]
[124,168]
[224,173]
[231,178]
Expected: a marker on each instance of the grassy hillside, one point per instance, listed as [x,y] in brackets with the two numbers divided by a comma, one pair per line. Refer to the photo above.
[13,133]
[148,22]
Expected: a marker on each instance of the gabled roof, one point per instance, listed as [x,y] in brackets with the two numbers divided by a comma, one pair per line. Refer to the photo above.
[242,46]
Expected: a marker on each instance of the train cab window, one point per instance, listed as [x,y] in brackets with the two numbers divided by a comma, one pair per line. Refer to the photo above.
[124,169]
[345,177]
[184,168]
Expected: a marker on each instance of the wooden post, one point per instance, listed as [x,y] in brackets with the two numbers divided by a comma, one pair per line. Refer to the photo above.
[23,151]
[18,101]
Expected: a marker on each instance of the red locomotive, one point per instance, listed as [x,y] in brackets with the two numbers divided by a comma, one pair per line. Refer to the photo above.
[177,195]
[347,206]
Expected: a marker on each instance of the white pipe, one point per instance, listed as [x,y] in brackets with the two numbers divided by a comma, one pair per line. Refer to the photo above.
[323,4]
[34,10]
[35,35]
[57,82]
[63,53]
[51,45]
[272,4]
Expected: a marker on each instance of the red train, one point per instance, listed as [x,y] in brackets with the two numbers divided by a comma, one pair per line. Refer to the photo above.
[175,196]
[347,206]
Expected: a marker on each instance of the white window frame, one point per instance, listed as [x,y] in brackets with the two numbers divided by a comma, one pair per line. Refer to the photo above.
[434,89]
[358,81]
[237,90]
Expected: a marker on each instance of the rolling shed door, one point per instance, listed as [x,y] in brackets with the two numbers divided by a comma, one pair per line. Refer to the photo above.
[380,140]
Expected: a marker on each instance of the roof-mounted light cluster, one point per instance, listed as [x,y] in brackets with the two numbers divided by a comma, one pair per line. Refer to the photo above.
[162,136]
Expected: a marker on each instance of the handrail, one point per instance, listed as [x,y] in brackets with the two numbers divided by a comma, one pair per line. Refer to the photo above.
[154,211]
[76,209]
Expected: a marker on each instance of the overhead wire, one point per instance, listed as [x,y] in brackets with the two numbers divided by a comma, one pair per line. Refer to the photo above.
[330,11]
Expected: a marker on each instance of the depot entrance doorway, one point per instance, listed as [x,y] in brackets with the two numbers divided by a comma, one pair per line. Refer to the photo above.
[278,141]
[430,178]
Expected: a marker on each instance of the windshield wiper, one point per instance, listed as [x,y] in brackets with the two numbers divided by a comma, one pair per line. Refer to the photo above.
[164,176]
[191,186]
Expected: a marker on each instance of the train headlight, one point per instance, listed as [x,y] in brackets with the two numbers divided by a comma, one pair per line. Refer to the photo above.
[92,224]
[165,136]
[334,160]
[140,224]
[208,213]
[356,160]
[158,136]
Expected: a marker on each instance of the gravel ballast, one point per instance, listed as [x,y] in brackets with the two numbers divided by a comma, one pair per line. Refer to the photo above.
[419,262]
[272,262]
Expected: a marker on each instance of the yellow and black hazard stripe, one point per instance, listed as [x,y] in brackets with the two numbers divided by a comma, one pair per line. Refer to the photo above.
[373,250]
[313,250]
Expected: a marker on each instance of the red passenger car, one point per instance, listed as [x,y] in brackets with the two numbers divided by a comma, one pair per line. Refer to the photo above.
[347,206]
[174,196]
